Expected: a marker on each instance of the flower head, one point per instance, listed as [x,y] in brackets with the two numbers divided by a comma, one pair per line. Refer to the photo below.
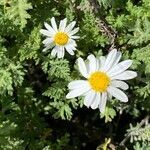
[104,78]
[60,38]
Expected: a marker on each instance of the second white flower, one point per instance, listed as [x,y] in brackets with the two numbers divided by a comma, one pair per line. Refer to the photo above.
[104,79]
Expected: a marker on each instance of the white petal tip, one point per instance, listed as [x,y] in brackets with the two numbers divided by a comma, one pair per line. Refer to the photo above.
[41,31]
[125,100]
[45,49]
[135,74]
[94,107]
[114,49]
[68,96]
[125,88]
[102,111]
[60,57]
[74,22]
[86,105]
[71,54]
[79,59]
[91,55]
[45,24]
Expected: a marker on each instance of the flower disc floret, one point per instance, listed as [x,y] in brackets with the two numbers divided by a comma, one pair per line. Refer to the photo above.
[61,38]
[99,81]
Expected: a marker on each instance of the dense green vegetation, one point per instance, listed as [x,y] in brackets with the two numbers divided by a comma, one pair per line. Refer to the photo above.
[34,113]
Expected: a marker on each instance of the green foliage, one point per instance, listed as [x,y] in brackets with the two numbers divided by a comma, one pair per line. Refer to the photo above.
[139,133]
[7,142]
[11,73]
[56,68]
[60,143]
[16,11]
[34,111]
[14,15]
[91,28]
[109,114]
[105,3]
[30,49]
[143,146]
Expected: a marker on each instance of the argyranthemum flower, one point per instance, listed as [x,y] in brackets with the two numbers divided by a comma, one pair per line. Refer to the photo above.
[60,38]
[104,78]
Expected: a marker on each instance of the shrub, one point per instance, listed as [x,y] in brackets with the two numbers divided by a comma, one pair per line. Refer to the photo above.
[35,113]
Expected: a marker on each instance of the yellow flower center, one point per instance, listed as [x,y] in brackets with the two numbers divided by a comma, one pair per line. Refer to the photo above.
[61,38]
[99,81]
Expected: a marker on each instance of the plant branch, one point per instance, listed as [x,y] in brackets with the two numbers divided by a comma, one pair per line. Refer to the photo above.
[144,121]
[103,24]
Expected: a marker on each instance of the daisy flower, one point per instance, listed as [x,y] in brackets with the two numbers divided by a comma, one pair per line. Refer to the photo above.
[104,78]
[60,38]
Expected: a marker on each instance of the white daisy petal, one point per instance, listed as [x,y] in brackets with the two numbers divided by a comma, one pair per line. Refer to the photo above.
[82,67]
[73,31]
[109,96]
[89,98]
[72,42]
[97,64]
[118,94]
[119,84]
[61,52]
[53,23]
[102,60]
[96,101]
[103,101]
[117,59]
[49,28]
[110,60]
[87,68]
[70,26]
[46,32]
[119,68]
[47,41]
[126,75]
[46,48]
[77,92]
[92,63]
[69,49]
[77,84]
[75,37]
[54,51]
[62,24]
